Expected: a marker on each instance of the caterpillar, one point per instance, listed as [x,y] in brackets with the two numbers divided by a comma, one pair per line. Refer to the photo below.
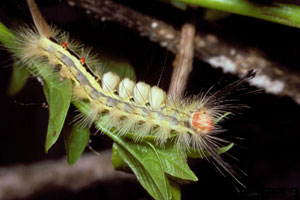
[124,104]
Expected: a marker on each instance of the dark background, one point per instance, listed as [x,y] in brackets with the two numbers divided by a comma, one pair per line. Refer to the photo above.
[269,152]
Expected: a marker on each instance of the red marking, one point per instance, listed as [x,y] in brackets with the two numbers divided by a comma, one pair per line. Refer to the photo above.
[202,122]
[82,60]
[64,44]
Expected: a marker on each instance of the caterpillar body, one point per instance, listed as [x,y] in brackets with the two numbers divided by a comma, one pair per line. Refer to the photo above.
[128,106]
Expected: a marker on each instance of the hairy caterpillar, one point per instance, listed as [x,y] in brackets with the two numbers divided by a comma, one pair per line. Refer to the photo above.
[125,105]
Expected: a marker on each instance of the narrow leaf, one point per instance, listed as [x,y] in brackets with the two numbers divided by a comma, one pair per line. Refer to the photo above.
[275,11]
[117,161]
[18,80]
[7,38]
[76,140]
[175,190]
[194,153]
[58,94]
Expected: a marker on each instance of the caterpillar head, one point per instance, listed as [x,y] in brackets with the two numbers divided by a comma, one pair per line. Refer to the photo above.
[202,121]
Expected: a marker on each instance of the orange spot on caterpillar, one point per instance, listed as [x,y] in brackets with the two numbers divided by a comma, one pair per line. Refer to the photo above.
[202,122]
[82,60]
[64,44]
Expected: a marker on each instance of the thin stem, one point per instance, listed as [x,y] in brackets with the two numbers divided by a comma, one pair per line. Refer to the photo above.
[183,63]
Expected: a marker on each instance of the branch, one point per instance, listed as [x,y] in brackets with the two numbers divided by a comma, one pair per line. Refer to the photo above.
[21,181]
[183,63]
[271,76]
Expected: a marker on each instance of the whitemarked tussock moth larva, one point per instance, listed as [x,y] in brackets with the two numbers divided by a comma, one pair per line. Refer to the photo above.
[128,106]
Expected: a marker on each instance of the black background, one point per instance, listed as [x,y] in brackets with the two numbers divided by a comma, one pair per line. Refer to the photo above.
[269,153]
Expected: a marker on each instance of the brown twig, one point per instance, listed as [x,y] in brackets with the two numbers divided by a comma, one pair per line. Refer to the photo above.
[183,63]
[271,76]
[22,181]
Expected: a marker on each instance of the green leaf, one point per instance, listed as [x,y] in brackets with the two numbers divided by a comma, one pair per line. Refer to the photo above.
[222,117]
[58,94]
[175,190]
[225,148]
[19,74]
[174,162]
[147,168]
[117,161]
[18,80]
[277,11]
[76,140]
[194,153]
[7,38]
